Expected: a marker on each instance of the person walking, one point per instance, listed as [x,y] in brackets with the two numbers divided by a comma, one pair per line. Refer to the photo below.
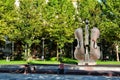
[61,68]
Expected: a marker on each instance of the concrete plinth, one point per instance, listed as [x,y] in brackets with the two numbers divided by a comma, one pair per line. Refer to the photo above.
[86,63]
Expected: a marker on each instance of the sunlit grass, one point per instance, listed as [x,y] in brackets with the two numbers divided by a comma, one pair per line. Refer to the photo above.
[12,62]
[4,62]
[66,60]
[43,62]
[108,63]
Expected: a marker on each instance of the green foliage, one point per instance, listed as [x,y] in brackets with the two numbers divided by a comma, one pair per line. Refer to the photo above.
[65,60]
[104,15]
[110,20]
[57,20]
[111,30]
[69,61]
[7,19]
[30,23]
[53,59]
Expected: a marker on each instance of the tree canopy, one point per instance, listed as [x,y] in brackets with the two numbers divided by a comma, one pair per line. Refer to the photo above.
[57,19]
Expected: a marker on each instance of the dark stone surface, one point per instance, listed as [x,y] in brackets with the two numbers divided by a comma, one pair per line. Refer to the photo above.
[53,69]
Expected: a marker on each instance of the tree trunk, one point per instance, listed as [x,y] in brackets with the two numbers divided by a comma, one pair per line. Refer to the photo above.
[117,55]
[57,53]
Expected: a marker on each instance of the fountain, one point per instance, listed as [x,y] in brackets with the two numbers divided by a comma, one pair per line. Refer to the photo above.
[86,53]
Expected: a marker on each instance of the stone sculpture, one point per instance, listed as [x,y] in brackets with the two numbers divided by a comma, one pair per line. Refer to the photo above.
[79,51]
[94,49]
[82,52]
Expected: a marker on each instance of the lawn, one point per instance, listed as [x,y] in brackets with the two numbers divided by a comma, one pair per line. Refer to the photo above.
[108,63]
[4,62]
[43,62]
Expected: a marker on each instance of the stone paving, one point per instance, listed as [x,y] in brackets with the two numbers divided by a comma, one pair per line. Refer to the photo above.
[107,70]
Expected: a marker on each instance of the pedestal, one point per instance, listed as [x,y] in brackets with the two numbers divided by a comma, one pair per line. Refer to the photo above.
[86,63]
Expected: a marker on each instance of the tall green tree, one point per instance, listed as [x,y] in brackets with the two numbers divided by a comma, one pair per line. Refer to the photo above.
[104,15]
[60,21]
[7,19]
[30,22]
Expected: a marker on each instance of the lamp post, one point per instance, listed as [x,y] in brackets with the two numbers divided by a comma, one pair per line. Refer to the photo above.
[7,49]
[72,50]
[43,39]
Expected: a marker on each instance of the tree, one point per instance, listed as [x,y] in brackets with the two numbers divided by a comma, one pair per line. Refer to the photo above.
[7,27]
[104,15]
[7,19]
[111,13]
[30,21]
[59,21]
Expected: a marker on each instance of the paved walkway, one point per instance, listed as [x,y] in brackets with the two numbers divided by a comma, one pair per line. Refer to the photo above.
[106,70]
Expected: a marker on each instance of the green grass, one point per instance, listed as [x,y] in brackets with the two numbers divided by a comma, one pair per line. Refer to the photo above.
[108,63]
[54,61]
[43,62]
[4,62]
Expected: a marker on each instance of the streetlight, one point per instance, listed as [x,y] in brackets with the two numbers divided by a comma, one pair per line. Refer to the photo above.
[72,50]
[8,48]
[43,39]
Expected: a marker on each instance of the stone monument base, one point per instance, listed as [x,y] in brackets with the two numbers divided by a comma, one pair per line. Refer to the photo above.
[86,63]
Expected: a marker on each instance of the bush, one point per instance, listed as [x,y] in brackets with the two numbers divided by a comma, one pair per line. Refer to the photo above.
[69,60]
[53,59]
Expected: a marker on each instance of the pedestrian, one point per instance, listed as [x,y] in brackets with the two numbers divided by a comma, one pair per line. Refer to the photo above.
[33,69]
[61,68]
[27,69]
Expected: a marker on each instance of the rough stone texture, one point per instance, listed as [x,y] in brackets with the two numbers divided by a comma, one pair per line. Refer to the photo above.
[105,70]
[82,52]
